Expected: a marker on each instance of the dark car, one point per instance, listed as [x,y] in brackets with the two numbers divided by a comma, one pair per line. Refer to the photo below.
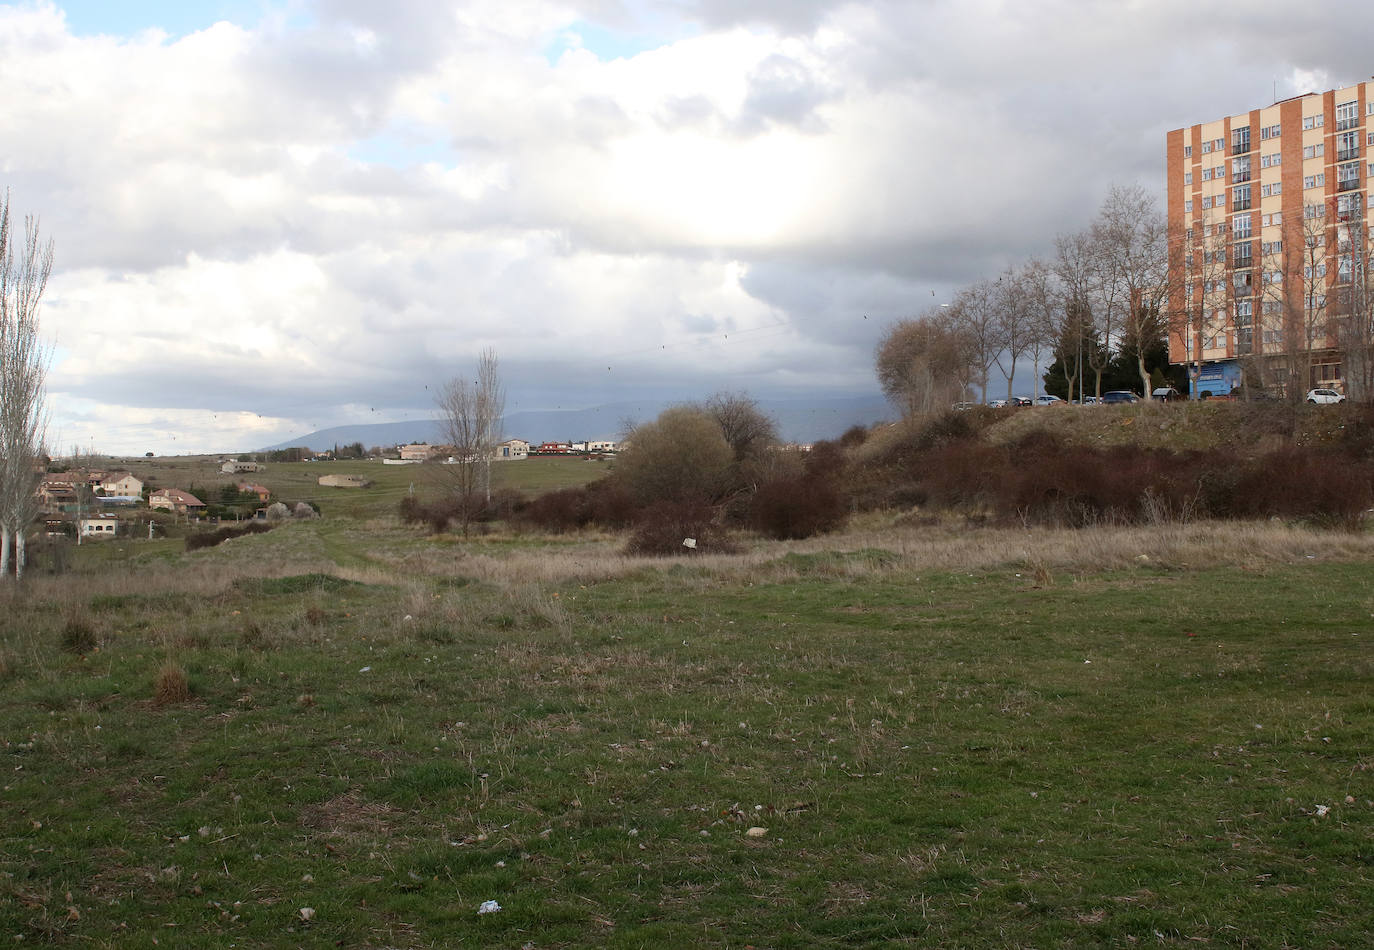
[1020,401]
[1166,394]
[1119,396]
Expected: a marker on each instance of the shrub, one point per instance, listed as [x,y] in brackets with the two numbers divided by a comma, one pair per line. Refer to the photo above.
[171,686]
[208,539]
[557,511]
[662,527]
[78,636]
[797,507]
[680,456]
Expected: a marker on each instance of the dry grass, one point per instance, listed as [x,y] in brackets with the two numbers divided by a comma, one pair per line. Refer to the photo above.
[171,686]
[948,544]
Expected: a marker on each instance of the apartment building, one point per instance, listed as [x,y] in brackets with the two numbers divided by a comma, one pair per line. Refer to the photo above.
[1268,245]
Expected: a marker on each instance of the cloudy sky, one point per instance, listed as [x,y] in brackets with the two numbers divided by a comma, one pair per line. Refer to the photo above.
[273,216]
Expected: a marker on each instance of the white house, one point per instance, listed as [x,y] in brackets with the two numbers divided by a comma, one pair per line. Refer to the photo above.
[234,466]
[121,483]
[511,450]
[98,526]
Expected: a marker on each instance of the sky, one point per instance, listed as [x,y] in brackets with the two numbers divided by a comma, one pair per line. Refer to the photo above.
[275,216]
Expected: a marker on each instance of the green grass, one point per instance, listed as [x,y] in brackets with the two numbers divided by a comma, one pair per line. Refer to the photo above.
[939,758]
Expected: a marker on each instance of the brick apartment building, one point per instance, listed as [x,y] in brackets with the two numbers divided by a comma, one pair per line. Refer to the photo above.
[1269,252]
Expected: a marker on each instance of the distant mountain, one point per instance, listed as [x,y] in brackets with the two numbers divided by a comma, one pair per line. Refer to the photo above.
[799,420]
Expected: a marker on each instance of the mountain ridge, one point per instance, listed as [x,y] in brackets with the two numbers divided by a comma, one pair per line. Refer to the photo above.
[798,420]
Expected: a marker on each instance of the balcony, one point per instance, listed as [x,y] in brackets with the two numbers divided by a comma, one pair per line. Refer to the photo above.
[1349,184]
[1241,263]
[1240,148]
[1240,175]
[1243,204]
[1347,154]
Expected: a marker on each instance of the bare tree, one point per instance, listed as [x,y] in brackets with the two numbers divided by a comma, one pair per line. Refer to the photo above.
[1131,240]
[1295,319]
[23,372]
[1044,309]
[1354,305]
[976,313]
[927,363]
[1016,321]
[745,426]
[1075,267]
[470,418]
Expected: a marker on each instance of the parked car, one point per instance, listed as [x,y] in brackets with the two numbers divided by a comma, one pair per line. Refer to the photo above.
[1089,401]
[963,406]
[1020,401]
[1119,396]
[998,403]
[1048,400]
[1166,394]
[1324,397]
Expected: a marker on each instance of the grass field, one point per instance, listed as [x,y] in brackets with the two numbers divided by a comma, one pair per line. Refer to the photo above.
[299,481]
[346,733]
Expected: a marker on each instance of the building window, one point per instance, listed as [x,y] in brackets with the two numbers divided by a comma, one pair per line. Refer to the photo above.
[1314,151]
[1313,121]
[1313,211]
[1273,277]
[1348,204]
[1270,131]
[1240,169]
[1240,140]
[1270,160]
[1315,181]
[1187,178]
[1187,151]
[1188,206]
[1240,226]
[1272,247]
[1206,148]
[1218,145]
[1274,188]
[1347,146]
[1206,174]
[1240,198]
[1347,115]
[1347,176]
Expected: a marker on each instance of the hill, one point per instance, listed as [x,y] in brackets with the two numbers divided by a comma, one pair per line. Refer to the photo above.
[798,420]
[1246,428]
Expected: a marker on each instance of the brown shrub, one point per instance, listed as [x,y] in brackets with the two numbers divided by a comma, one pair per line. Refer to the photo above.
[208,539]
[171,685]
[797,507]
[664,526]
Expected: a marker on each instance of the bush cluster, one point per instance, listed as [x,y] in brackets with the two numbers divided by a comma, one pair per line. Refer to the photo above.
[208,539]
[1043,480]
[439,513]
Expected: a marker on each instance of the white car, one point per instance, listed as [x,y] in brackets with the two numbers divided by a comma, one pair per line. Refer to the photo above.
[1324,397]
[1048,400]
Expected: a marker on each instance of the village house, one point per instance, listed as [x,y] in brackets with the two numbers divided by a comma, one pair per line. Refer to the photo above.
[121,483]
[234,467]
[416,452]
[262,491]
[57,491]
[98,526]
[174,499]
[511,450]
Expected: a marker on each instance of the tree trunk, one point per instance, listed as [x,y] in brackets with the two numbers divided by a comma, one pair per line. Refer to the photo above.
[19,554]
[1144,374]
[4,551]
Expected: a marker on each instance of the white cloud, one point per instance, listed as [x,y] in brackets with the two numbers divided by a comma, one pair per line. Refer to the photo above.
[302,220]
